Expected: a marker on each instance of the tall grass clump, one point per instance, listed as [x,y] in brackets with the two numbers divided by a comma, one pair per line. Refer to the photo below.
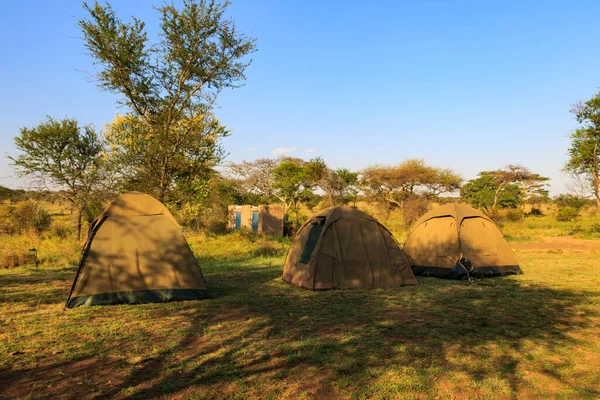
[51,250]
[238,245]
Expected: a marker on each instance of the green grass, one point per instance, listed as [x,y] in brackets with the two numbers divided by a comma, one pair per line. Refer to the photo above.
[535,335]
[536,228]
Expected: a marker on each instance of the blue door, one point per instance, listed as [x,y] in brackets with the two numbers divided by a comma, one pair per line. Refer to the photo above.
[254,221]
[238,219]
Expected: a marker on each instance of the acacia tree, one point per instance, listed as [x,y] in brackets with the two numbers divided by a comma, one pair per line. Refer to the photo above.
[578,184]
[584,153]
[507,187]
[410,178]
[295,179]
[256,176]
[519,175]
[483,191]
[179,163]
[534,189]
[60,154]
[168,87]
[340,185]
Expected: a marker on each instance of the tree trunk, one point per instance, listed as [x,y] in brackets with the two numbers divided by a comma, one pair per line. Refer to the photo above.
[389,198]
[79,217]
[496,194]
[161,189]
[161,194]
[595,173]
[163,183]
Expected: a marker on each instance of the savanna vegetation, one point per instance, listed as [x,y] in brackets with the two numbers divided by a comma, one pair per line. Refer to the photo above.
[533,335]
[528,336]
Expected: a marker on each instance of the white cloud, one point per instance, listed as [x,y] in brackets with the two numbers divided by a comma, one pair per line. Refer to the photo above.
[251,148]
[283,150]
[310,150]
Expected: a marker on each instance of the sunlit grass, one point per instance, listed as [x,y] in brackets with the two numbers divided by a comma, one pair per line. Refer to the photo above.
[535,228]
[534,335]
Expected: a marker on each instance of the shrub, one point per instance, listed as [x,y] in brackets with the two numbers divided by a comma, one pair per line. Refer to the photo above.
[14,250]
[412,209]
[7,223]
[567,213]
[215,226]
[513,214]
[92,210]
[569,200]
[11,258]
[509,214]
[589,210]
[41,220]
[61,230]
[535,212]
[30,215]
[293,220]
[495,216]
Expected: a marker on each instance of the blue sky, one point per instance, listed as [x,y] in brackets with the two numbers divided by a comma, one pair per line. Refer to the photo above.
[469,85]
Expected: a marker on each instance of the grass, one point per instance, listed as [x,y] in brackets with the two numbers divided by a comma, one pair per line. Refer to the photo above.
[534,335]
[536,228]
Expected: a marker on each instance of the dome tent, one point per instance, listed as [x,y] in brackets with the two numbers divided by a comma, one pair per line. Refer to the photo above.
[457,241]
[136,253]
[344,248]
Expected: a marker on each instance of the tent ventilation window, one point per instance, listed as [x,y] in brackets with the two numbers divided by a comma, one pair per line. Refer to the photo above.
[313,237]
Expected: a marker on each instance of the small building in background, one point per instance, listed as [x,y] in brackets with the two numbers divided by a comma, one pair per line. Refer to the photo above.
[265,220]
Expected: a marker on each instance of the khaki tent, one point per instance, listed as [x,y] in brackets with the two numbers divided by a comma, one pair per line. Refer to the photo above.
[457,241]
[344,248]
[136,253]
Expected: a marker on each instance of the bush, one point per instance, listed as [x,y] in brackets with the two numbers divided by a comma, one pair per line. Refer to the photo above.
[42,220]
[567,213]
[589,210]
[7,223]
[11,258]
[413,209]
[61,230]
[513,214]
[92,210]
[495,215]
[535,212]
[509,214]
[569,200]
[29,215]
[293,220]
[14,250]
[210,219]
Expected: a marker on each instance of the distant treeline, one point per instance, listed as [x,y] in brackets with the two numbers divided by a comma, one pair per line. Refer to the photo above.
[17,195]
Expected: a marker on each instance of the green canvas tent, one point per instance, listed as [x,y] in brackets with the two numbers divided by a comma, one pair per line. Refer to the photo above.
[136,253]
[344,248]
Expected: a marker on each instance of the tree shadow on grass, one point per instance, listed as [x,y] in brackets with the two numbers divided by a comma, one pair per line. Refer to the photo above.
[35,285]
[330,342]
[262,337]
